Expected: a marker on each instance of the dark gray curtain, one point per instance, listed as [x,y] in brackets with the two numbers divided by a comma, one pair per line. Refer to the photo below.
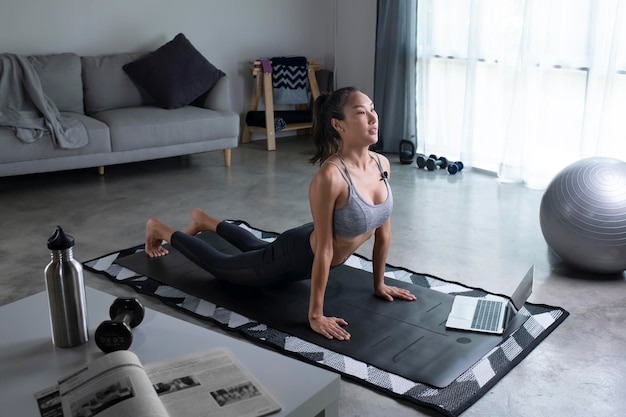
[395,72]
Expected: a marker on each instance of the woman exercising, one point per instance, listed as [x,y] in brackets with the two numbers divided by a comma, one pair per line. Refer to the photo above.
[350,202]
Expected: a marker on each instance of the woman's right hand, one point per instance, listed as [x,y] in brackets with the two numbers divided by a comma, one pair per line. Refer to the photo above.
[330,327]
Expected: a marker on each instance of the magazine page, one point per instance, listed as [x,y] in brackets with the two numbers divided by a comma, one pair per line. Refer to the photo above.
[212,383]
[49,402]
[111,386]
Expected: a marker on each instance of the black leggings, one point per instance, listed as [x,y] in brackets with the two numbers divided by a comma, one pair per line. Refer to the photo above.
[288,258]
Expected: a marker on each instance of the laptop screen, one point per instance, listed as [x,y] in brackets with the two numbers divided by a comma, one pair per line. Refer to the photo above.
[524,289]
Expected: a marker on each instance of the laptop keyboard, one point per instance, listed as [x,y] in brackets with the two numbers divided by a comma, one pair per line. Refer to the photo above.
[486,315]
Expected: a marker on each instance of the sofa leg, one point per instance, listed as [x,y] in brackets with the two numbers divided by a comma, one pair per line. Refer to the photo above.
[227,157]
[101,170]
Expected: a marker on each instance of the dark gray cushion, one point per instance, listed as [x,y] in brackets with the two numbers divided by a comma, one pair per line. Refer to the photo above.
[175,74]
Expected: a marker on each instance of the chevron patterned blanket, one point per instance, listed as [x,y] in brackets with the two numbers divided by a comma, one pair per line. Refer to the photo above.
[290,80]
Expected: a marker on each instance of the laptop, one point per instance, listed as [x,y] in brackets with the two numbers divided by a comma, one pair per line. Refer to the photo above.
[489,316]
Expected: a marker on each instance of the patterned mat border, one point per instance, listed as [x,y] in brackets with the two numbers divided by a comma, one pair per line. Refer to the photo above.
[449,401]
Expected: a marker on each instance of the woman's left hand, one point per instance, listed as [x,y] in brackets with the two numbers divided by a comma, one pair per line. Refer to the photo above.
[389,293]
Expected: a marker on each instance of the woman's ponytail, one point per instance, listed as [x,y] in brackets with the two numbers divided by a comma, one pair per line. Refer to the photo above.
[325,108]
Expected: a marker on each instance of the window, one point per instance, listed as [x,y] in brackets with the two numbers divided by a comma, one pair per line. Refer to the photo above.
[522,88]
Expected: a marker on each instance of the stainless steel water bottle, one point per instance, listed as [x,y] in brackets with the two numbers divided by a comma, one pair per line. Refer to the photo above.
[66,292]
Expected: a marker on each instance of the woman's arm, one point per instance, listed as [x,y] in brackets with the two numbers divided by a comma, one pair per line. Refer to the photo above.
[382,242]
[323,193]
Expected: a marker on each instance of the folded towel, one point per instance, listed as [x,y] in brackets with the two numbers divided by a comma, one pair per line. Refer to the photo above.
[290,80]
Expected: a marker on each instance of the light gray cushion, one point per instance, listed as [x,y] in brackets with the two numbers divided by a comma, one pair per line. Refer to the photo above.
[219,96]
[14,150]
[60,76]
[153,126]
[107,86]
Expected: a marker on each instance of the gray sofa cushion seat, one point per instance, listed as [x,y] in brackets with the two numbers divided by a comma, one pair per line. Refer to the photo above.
[14,150]
[152,126]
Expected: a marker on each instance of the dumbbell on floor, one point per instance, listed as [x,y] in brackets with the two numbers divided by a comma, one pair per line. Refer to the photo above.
[455,167]
[433,163]
[115,334]
[422,159]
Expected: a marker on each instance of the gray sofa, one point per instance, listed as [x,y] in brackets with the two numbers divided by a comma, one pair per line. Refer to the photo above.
[123,122]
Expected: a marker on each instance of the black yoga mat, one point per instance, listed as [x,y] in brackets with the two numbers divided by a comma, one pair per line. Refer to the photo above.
[406,338]
[385,335]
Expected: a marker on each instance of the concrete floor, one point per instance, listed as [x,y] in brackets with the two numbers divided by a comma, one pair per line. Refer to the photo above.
[467,228]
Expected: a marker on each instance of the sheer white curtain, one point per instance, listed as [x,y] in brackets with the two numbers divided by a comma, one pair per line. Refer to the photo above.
[522,88]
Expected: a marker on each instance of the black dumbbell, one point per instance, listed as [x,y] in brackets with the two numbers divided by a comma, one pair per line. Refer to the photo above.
[422,159]
[115,334]
[455,167]
[433,163]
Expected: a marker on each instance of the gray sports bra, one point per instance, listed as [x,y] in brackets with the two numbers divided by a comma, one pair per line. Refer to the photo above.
[358,216]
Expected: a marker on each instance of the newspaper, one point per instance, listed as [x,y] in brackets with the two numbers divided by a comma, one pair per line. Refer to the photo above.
[211,383]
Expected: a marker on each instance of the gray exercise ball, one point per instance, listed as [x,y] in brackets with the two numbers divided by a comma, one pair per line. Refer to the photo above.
[583,215]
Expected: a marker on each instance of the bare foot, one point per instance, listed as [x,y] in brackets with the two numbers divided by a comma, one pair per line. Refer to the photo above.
[200,221]
[156,233]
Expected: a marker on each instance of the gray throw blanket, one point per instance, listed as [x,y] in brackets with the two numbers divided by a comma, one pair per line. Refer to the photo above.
[25,107]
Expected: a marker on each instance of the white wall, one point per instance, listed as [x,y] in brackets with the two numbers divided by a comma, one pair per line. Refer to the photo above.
[229,33]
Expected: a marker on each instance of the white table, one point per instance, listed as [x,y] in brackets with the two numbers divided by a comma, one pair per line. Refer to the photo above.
[29,362]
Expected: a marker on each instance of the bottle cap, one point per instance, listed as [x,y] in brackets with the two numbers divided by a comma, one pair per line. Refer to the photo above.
[59,240]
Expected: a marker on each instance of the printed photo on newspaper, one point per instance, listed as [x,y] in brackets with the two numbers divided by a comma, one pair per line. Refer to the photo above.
[212,383]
